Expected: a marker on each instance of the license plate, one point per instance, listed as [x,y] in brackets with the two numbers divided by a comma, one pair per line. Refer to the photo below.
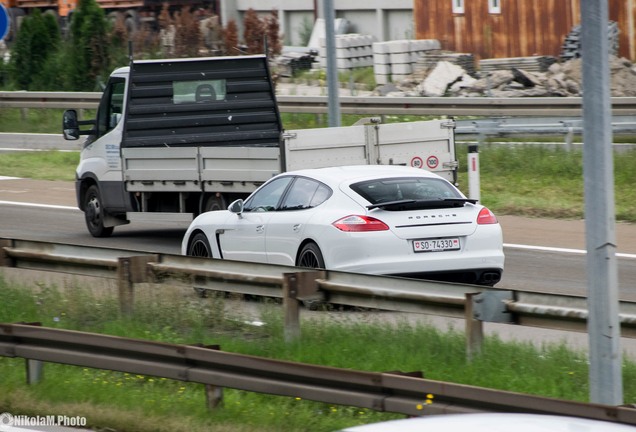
[435,245]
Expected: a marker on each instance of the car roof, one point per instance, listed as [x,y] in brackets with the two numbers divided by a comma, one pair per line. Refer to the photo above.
[493,422]
[361,172]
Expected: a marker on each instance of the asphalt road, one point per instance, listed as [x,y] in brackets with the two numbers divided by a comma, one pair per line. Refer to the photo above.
[541,255]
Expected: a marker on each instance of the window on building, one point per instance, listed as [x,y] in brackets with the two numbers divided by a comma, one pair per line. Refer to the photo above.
[458,6]
[494,6]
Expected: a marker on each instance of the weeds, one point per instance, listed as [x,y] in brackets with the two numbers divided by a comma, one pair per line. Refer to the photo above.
[351,339]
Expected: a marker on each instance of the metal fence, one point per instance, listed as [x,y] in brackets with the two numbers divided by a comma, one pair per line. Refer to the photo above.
[368,105]
[215,369]
[389,391]
[476,304]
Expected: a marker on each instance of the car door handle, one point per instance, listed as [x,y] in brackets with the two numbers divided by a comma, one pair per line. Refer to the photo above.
[260,228]
[296,227]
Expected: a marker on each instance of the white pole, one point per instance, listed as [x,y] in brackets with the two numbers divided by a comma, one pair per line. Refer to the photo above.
[474,186]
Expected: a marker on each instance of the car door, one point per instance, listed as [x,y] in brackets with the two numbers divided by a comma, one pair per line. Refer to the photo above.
[244,238]
[286,227]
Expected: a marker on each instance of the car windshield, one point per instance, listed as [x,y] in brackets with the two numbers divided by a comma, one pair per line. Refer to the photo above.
[409,193]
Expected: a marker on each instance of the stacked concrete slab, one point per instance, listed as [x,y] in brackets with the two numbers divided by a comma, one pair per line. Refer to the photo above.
[393,61]
[352,51]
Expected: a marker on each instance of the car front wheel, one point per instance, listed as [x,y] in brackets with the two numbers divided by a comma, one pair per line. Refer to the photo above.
[200,246]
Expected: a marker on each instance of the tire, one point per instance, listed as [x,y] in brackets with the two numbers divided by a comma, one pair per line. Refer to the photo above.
[94,213]
[200,246]
[214,203]
[310,257]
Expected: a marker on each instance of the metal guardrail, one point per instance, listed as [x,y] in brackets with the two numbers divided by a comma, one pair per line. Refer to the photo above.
[379,391]
[477,304]
[536,125]
[372,105]
[391,391]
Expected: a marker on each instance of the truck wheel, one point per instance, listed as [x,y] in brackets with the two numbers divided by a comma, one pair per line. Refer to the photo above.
[200,246]
[214,203]
[94,213]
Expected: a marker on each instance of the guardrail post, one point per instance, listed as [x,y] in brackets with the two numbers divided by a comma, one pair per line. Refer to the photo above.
[291,306]
[5,259]
[213,396]
[299,287]
[474,328]
[34,371]
[131,270]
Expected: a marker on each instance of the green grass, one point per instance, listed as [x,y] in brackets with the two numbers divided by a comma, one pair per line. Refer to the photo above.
[117,400]
[44,165]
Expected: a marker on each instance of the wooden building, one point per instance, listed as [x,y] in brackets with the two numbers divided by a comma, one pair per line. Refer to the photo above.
[514,28]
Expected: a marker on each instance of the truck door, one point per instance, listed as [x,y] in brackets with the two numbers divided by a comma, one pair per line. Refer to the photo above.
[101,156]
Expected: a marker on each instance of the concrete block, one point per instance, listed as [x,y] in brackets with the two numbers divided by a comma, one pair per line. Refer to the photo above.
[383,69]
[381,58]
[399,46]
[398,58]
[401,69]
[382,79]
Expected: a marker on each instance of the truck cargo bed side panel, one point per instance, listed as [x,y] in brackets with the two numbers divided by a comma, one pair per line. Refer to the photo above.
[427,144]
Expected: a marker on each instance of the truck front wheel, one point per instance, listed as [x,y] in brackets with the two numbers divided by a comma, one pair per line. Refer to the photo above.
[94,213]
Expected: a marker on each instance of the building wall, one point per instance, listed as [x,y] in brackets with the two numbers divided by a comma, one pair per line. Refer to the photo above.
[383,19]
[523,28]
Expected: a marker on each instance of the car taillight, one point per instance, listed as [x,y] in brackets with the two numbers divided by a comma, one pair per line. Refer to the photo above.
[486,217]
[355,223]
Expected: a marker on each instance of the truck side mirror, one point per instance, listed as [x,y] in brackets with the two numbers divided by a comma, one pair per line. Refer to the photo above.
[70,125]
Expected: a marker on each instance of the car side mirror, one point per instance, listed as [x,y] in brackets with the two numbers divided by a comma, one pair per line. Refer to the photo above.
[70,125]
[236,207]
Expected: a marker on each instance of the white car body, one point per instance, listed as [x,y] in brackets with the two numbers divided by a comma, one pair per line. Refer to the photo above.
[277,237]
[494,422]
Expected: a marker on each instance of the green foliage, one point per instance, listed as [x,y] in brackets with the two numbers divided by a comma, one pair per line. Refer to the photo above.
[89,60]
[352,339]
[304,31]
[34,53]
[46,165]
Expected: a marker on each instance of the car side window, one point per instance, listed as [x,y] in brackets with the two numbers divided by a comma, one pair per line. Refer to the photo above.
[267,197]
[305,193]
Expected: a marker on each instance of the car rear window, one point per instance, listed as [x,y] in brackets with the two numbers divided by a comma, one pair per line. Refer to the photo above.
[407,188]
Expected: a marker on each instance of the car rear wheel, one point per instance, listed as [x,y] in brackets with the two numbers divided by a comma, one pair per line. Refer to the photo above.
[200,246]
[310,257]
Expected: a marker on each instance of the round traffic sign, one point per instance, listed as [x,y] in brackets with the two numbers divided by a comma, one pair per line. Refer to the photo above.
[4,22]
[432,162]
[417,162]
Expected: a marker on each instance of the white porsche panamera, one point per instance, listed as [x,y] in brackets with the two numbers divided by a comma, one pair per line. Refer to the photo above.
[374,219]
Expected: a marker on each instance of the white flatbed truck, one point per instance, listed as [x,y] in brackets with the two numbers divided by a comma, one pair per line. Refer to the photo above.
[175,138]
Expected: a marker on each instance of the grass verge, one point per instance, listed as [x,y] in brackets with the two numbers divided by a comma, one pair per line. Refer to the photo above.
[353,340]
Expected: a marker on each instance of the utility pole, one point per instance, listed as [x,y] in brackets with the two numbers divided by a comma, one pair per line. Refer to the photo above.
[333,89]
[606,385]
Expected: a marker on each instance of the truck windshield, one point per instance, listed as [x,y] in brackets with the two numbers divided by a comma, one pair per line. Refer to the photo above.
[198,91]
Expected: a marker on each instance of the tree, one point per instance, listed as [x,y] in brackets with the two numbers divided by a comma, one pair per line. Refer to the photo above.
[187,38]
[88,60]
[36,44]
[253,32]
[272,30]
[230,38]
